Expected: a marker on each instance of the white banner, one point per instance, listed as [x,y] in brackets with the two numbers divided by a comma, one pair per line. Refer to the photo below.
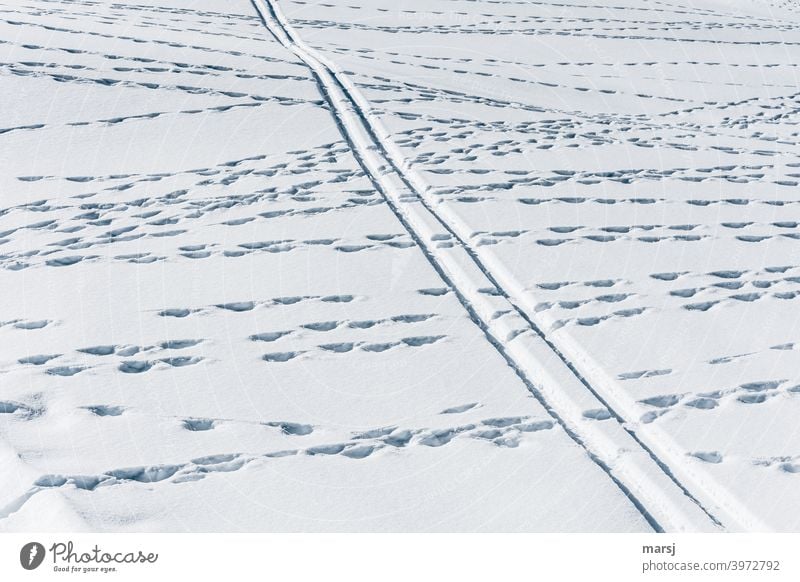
[399,557]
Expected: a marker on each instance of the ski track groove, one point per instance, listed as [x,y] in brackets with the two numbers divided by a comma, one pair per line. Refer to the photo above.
[470,272]
[329,82]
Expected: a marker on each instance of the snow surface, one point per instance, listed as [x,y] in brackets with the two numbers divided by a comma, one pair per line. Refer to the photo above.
[399,266]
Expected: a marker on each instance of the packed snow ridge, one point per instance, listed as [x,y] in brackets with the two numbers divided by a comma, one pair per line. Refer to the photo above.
[461,265]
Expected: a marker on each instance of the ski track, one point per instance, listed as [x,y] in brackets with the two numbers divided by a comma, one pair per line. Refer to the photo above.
[727,179]
[346,102]
[476,166]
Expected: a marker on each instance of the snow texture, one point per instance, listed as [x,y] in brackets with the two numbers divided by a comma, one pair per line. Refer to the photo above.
[452,265]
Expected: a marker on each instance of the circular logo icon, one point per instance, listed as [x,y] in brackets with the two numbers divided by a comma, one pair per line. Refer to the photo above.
[31,555]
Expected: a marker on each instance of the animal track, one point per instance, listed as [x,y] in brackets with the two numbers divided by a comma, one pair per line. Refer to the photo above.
[504,432]
[626,203]
[198,424]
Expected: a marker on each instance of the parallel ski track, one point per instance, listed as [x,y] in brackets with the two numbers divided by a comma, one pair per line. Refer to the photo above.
[345,105]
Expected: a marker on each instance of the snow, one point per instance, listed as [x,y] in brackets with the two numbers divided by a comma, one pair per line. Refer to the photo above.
[453,266]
